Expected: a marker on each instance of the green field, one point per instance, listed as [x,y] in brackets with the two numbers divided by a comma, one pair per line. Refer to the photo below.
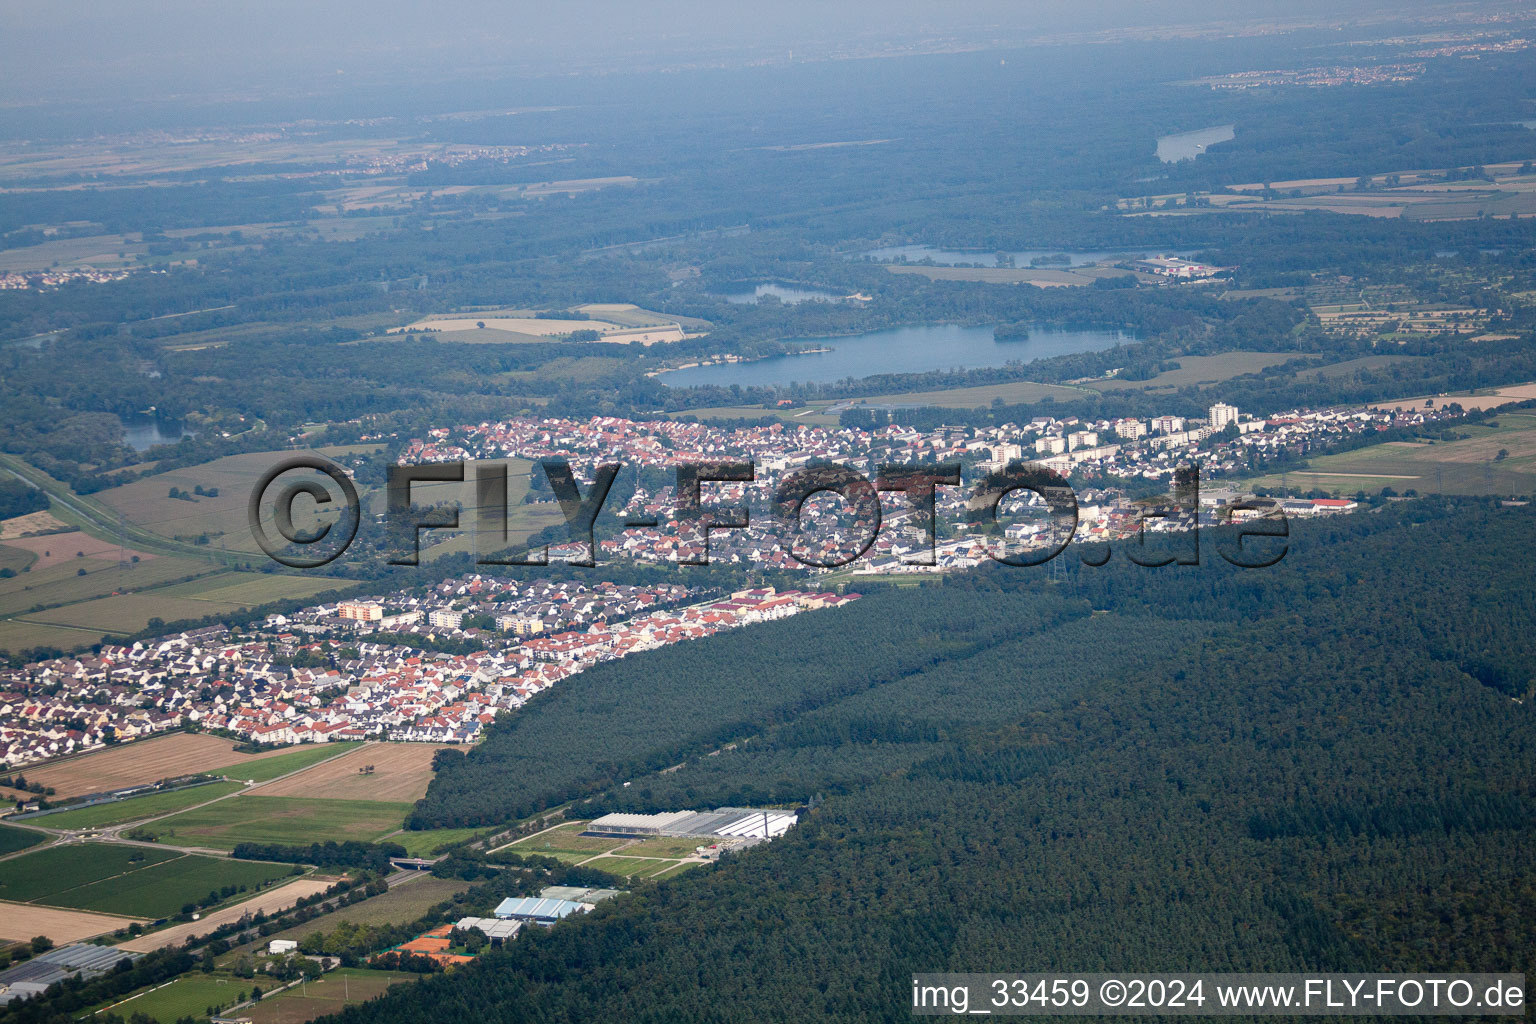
[665,847]
[62,584]
[147,502]
[425,844]
[162,889]
[16,635]
[638,867]
[252,588]
[188,996]
[1195,371]
[402,904]
[565,842]
[13,839]
[1010,393]
[1469,466]
[280,819]
[36,877]
[15,559]
[675,869]
[267,768]
[129,613]
[139,807]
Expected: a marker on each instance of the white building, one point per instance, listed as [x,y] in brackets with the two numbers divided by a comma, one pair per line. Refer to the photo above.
[1221,414]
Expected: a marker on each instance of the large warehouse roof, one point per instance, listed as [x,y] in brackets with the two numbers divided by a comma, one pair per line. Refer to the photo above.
[533,909]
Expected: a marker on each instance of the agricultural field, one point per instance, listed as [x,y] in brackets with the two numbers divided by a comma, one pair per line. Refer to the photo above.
[21,921]
[665,847]
[280,819]
[16,559]
[138,808]
[162,757]
[1198,371]
[428,842]
[160,890]
[270,902]
[16,635]
[1469,466]
[40,876]
[344,986]
[244,589]
[814,414]
[13,839]
[1483,398]
[147,503]
[271,766]
[394,772]
[63,584]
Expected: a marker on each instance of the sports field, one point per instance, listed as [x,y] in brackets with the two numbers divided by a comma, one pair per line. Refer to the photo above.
[341,987]
[190,995]
[280,819]
[390,772]
[137,808]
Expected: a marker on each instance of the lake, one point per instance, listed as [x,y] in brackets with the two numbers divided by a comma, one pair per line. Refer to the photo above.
[785,294]
[1188,145]
[896,350]
[144,432]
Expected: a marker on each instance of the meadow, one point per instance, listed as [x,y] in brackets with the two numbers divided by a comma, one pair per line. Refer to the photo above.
[426,843]
[564,842]
[280,819]
[137,808]
[1198,371]
[190,995]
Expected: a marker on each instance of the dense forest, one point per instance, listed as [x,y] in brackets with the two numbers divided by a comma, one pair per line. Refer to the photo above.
[1323,765]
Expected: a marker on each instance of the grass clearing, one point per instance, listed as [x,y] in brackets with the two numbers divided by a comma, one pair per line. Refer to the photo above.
[665,847]
[674,870]
[137,808]
[426,843]
[629,866]
[280,819]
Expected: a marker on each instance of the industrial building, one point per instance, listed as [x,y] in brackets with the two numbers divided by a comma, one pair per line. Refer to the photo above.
[492,928]
[538,911]
[739,822]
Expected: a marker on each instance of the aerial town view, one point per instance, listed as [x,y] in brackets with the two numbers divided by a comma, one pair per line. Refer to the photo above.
[694,512]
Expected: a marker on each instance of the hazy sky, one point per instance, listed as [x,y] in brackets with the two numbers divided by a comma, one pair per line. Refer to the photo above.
[155,48]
